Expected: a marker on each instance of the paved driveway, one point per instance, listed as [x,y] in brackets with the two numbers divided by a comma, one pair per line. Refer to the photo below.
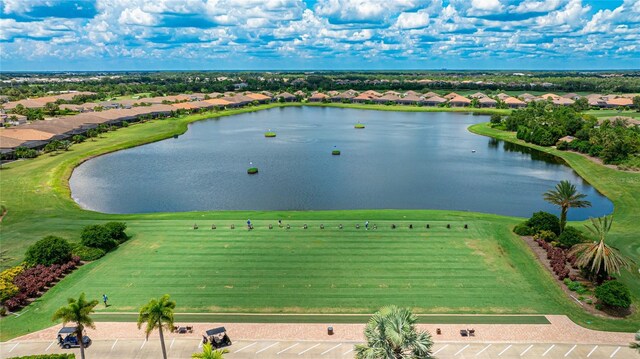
[265,349]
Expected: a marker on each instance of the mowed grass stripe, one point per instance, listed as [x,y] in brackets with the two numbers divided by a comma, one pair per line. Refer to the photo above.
[359,270]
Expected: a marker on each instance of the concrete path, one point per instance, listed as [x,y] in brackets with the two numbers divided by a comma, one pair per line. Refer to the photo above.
[559,339]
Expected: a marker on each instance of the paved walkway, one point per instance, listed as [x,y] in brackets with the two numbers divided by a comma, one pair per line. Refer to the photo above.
[558,340]
[560,330]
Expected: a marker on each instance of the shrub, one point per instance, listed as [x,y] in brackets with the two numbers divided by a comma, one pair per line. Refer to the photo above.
[88,253]
[575,286]
[614,294]
[522,230]
[116,231]
[496,119]
[7,288]
[570,237]
[543,221]
[23,152]
[562,145]
[97,236]
[546,236]
[48,251]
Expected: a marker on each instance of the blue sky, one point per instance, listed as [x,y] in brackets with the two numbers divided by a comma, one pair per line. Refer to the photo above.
[64,35]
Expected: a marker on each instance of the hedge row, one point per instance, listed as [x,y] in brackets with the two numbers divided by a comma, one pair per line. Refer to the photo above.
[33,282]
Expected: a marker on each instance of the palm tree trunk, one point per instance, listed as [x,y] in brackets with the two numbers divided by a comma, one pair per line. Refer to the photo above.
[164,351]
[81,345]
[563,218]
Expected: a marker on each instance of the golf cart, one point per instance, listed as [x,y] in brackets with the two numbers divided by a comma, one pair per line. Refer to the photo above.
[67,338]
[217,337]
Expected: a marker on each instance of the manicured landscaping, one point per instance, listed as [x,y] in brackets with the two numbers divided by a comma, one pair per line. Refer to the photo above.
[483,269]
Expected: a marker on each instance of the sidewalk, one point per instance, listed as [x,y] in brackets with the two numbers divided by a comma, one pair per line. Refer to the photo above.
[561,330]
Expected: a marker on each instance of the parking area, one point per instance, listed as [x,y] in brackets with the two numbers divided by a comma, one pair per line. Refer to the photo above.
[265,349]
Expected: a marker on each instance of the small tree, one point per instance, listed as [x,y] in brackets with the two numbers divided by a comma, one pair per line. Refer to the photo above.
[97,236]
[158,314]
[598,257]
[391,333]
[78,138]
[566,196]
[77,312]
[65,145]
[570,237]
[543,221]
[636,103]
[47,251]
[496,119]
[209,353]
[614,294]
[116,231]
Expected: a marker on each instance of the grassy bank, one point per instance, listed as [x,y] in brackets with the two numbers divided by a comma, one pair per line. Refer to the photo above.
[622,188]
[484,269]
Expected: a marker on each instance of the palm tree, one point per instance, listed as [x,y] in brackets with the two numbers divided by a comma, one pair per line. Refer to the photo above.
[636,345]
[598,257]
[158,314]
[565,195]
[77,312]
[209,353]
[391,334]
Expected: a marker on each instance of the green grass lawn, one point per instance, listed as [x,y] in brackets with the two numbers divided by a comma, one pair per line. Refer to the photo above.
[613,113]
[485,269]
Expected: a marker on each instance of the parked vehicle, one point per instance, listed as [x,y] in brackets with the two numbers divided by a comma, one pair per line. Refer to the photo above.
[67,338]
[217,337]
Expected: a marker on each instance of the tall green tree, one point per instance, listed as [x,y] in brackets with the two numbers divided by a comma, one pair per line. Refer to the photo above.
[209,353]
[77,312]
[600,259]
[566,196]
[158,314]
[391,334]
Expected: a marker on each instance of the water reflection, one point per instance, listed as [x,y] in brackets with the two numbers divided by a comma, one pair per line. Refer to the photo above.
[401,160]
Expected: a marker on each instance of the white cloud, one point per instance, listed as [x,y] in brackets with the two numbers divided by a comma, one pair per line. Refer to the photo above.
[487,5]
[413,20]
[365,10]
[136,17]
[536,6]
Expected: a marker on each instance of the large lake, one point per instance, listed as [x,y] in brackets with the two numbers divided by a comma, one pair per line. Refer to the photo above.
[402,160]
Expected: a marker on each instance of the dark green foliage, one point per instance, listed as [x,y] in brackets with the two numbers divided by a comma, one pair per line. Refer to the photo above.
[23,152]
[116,231]
[614,294]
[47,251]
[87,253]
[98,236]
[47,356]
[570,236]
[523,229]
[562,145]
[543,221]
[575,286]
[613,140]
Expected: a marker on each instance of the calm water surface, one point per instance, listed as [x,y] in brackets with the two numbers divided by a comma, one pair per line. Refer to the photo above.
[402,160]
